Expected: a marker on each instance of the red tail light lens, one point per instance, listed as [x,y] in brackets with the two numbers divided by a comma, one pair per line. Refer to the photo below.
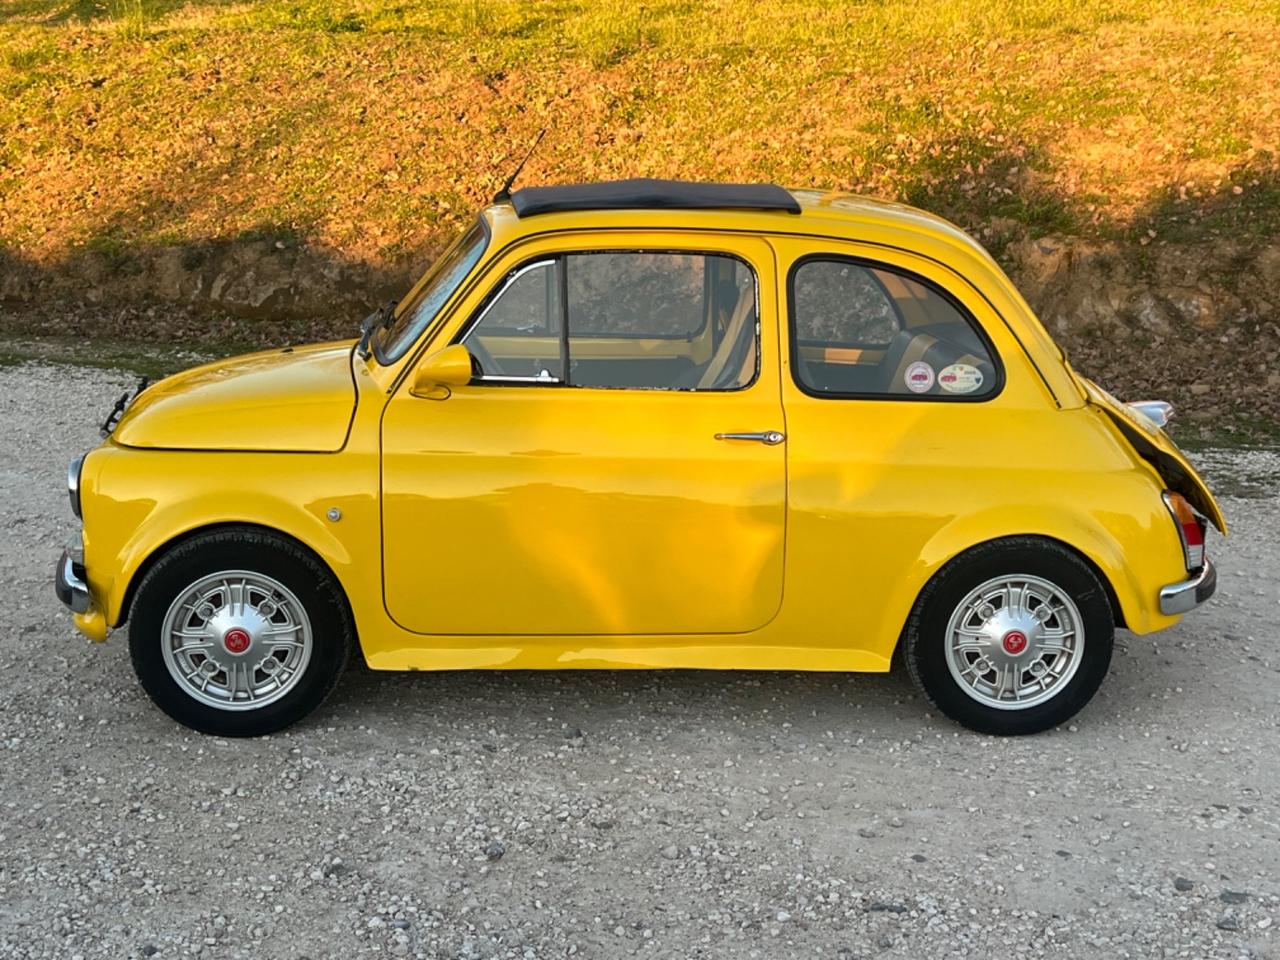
[1190,528]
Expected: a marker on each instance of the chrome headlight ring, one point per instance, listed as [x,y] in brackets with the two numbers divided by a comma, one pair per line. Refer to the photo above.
[73,483]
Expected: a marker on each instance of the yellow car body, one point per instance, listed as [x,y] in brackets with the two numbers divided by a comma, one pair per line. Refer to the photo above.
[483,526]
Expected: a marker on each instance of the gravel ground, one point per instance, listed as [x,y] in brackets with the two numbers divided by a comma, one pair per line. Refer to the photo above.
[617,814]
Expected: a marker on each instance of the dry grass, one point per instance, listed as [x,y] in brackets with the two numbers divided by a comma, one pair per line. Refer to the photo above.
[374,128]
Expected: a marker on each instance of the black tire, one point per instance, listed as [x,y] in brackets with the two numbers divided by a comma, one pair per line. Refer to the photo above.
[926,644]
[259,551]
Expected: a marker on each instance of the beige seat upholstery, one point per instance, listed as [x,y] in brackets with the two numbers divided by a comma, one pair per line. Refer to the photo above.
[737,328]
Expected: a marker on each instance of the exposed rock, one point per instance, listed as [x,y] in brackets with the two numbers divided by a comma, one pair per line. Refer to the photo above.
[1080,286]
[1073,284]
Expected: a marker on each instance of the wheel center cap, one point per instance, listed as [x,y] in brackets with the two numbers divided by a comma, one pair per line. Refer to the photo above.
[1014,642]
[237,640]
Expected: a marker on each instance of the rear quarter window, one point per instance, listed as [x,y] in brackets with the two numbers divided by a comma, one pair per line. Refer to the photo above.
[864,329]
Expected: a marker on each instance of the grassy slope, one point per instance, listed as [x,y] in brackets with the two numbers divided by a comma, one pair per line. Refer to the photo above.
[373,128]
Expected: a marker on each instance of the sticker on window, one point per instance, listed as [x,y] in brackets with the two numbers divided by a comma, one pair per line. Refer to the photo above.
[960,378]
[919,377]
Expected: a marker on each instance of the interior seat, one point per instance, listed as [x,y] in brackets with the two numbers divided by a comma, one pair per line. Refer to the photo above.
[737,351]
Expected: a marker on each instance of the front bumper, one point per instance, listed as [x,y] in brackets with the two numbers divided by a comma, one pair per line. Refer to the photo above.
[69,583]
[1180,597]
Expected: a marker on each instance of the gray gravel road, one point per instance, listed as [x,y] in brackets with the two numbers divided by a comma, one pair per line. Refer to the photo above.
[617,814]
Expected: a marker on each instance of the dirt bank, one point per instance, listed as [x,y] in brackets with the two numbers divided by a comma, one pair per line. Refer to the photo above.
[1199,324]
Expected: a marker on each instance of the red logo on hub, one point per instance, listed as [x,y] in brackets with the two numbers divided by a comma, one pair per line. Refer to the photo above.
[237,640]
[1015,641]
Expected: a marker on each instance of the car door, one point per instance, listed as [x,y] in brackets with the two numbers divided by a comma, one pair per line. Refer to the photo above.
[616,468]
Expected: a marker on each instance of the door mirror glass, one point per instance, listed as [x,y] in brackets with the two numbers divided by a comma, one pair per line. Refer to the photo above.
[450,367]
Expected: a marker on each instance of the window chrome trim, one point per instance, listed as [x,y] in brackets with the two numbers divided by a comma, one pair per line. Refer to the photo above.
[492,301]
[544,381]
[493,298]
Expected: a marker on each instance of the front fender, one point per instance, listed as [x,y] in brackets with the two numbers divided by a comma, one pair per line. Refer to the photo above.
[136,503]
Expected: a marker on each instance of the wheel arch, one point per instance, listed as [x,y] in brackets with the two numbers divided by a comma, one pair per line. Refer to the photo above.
[159,551]
[1117,610]
[1102,569]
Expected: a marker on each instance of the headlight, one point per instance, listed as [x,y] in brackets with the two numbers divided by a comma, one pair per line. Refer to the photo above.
[73,484]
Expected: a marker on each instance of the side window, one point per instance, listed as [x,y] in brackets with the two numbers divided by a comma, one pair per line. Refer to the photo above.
[651,320]
[866,330]
[653,295]
[841,302]
[517,335]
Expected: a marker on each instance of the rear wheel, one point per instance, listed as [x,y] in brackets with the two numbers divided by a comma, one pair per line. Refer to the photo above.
[1012,637]
[239,632]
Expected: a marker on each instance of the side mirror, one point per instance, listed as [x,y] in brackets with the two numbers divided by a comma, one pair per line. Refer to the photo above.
[450,367]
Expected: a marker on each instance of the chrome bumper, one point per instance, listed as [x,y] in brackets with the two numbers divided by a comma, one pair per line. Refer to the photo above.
[69,583]
[1180,597]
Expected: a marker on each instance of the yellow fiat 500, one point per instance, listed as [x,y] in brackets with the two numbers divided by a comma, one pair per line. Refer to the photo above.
[648,424]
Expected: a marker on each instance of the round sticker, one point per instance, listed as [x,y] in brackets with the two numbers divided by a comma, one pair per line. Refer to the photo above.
[919,377]
[960,378]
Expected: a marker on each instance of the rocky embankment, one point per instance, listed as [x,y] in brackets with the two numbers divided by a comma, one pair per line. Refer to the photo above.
[1199,323]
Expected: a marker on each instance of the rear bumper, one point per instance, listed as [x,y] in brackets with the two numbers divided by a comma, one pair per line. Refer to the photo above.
[1180,597]
[69,584]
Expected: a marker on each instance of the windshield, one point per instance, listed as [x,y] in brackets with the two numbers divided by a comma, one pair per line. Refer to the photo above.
[424,301]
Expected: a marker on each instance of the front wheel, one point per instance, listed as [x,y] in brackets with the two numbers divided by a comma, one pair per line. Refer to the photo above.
[239,632]
[1012,637]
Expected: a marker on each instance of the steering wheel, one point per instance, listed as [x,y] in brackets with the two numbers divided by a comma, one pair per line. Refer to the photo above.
[488,365]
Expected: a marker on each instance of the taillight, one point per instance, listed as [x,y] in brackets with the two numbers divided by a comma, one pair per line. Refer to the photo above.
[1190,528]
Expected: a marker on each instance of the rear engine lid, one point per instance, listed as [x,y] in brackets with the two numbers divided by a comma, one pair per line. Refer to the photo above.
[1153,445]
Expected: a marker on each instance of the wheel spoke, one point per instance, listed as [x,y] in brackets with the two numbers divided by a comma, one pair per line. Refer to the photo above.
[231,682]
[1054,641]
[188,647]
[1008,681]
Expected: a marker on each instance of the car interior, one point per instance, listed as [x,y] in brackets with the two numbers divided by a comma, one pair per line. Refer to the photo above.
[642,321]
[860,330]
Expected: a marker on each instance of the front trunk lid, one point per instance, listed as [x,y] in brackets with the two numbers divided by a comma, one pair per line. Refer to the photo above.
[1154,446]
[295,400]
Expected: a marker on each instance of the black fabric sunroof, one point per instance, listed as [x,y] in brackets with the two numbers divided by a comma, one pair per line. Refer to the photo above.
[646,194]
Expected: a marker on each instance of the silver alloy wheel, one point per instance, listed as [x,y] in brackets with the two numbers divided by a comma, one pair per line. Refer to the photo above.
[1014,642]
[236,640]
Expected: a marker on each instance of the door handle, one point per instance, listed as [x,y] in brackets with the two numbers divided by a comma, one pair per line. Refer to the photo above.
[771,437]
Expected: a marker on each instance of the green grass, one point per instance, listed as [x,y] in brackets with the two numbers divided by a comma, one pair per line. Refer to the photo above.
[374,127]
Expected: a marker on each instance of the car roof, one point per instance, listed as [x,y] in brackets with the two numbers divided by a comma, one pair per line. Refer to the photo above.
[752,208]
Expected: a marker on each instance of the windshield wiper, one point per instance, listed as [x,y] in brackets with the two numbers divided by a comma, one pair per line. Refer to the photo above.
[371,325]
